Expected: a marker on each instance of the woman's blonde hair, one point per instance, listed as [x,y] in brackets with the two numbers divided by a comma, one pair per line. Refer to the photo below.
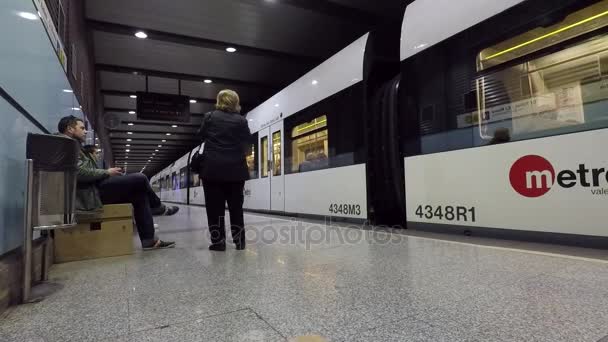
[228,101]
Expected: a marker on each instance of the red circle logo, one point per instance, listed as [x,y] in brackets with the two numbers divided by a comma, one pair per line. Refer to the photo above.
[532,176]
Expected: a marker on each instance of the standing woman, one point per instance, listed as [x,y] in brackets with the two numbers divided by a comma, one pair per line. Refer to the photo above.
[223,169]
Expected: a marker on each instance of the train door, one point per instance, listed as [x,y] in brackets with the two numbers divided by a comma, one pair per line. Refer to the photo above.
[272,168]
[262,198]
[276,172]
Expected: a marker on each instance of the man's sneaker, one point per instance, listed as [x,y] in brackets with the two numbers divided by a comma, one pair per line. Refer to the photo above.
[158,244]
[160,210]
[171,210]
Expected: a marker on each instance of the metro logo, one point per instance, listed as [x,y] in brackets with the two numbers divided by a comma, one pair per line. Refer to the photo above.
[533,176]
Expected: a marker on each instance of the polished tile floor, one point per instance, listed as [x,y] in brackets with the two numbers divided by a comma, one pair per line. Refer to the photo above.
[299,279]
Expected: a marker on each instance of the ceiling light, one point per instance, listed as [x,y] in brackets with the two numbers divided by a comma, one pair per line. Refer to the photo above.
[127,157]
[98,150]
[27,15]
[153,154]
[133,96]
[141,35]
[129,139]
[208,81]
[315,82]
[174,126]
[160,145]
[168,134]
[131,112]
[68,91]
[130,124]
[164,140]
[129,132]
[127,145]
[155,150]
[127,150]
[230,49]
[192,101]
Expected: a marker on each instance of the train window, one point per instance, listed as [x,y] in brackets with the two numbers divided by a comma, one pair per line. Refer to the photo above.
[574,25]
[174,182]
[549,78]
[310,145]
[276,153]
[182,178]
[194,179]
[264,158]
[327,134]
[252,158]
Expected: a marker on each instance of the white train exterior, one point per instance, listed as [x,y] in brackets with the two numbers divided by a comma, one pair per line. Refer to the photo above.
[486,115]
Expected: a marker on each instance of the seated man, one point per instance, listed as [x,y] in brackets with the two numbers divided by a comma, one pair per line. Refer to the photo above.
[155,205]
[96,187]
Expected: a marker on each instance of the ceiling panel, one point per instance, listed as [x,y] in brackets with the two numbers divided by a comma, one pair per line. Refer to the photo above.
[259,23]
[376,7]
[130,82]
[129,51]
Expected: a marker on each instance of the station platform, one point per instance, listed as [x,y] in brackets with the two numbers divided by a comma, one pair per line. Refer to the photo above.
[307,281]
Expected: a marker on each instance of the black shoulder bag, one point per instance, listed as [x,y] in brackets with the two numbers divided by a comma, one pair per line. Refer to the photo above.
[197,158]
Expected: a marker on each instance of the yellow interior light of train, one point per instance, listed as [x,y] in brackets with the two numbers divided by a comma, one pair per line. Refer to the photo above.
[318,123]
[545,36]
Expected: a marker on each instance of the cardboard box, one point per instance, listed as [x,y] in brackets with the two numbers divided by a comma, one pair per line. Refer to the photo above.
[107,234]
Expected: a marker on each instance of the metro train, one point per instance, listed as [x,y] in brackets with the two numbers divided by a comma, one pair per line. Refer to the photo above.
[485,114]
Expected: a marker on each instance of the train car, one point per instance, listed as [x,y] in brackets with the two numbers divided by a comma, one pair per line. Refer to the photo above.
[490,119]
[308,156]
[308,153]
[175,181]
[503,115]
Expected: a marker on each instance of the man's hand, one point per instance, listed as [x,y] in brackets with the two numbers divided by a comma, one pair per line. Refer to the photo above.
[115,171]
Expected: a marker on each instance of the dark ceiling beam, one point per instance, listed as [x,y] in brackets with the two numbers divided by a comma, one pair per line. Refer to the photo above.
[332,9]
[150,147]
[141,161]
[179,76]
[142,156]
[158,124]
[151,142]
[127,110]
[148,136]
[201,42]
[119,93]
[139,149]
[174,131]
